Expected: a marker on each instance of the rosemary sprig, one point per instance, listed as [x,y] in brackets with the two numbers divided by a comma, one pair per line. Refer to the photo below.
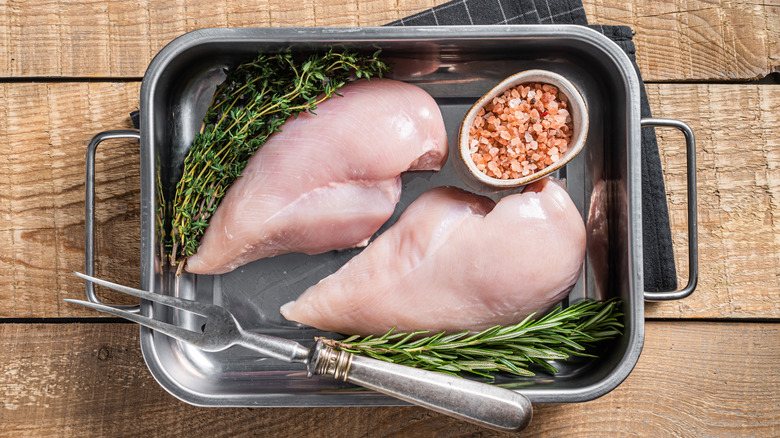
[251,104]
[556,336]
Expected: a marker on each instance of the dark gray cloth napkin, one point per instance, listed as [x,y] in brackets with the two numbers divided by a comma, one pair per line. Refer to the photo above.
[659,270]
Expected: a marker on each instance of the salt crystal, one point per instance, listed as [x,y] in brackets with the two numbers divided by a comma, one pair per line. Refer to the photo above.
[514,103]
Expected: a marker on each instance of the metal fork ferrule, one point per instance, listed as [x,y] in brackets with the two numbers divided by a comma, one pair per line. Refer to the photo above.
[333,363]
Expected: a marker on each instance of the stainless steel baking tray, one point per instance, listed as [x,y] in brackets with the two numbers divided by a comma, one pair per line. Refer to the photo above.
[456,65]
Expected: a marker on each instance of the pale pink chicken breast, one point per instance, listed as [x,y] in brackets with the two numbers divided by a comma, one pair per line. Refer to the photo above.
[455,261]
[326,181]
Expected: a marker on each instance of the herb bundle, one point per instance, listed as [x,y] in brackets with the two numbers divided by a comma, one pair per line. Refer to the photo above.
[251,104]
[556,336]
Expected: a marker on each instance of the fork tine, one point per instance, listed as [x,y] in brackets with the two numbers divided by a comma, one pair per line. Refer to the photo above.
[173,331]
[179,303]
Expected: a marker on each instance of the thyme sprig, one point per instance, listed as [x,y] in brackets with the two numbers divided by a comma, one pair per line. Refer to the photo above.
[558,335]
[251,104]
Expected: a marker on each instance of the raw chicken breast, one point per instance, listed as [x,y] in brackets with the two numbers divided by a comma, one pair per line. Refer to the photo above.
[326,181]
[455,261]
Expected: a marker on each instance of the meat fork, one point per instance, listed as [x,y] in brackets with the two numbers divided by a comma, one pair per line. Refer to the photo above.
[475,402]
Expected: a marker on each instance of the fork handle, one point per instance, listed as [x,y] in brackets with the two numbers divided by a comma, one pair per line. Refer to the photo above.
[479,403]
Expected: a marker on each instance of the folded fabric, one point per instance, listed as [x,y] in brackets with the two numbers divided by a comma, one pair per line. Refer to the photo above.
[659,269]
[463,12]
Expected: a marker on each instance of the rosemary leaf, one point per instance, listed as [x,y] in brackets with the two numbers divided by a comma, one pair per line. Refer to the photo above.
[564,340]
[453,337]
[513,369]
[402,341]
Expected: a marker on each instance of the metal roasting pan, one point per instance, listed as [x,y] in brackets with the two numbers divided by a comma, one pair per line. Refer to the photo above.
[456,65]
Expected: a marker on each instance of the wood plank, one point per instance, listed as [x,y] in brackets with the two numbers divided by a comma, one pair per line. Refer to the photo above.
[102,38]
[47,126]
[679,40]
[738,172]
[684,40]
[713,379]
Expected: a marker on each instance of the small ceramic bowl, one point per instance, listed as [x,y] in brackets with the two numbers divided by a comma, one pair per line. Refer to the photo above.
[577,110]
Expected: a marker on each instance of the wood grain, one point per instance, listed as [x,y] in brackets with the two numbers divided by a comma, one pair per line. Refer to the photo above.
[693,379]
[47,126]
[102,38]
[738,172]
[684,40]
[676,41]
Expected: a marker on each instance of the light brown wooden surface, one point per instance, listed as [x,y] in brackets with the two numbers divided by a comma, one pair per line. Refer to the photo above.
[119,38]
[738,173]
[679,40]
[90,380]
[698,40]
[47,127]
[694,378]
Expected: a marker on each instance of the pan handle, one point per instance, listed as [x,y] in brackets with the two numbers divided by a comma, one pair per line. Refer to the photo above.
[89,267]
[693,246]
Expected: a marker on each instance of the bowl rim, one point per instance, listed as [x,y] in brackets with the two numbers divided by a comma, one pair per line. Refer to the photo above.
[577,108]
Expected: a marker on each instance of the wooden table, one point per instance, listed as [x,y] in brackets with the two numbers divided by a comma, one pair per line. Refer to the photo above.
[72,69]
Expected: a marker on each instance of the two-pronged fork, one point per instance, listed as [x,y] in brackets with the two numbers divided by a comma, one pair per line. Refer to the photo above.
[479,403]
